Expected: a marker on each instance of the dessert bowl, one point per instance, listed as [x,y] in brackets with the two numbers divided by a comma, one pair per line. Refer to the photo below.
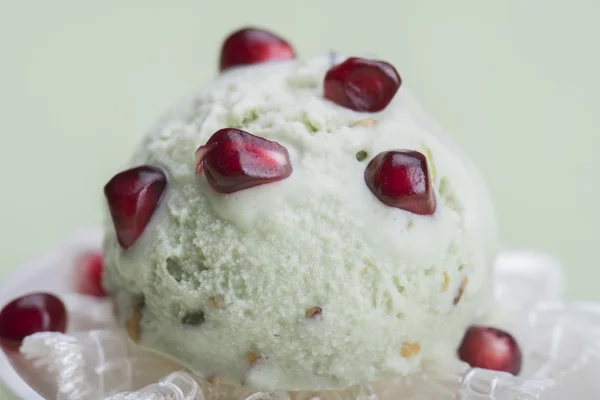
[95,360]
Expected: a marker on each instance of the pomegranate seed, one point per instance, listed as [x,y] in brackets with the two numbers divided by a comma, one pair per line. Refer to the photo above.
[133,196]
[89,275]
[490,348]
[252,46]
[233,160]
[401,179]
[362,85]
[29,314]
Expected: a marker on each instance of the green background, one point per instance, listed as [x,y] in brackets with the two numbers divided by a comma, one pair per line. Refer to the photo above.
[515,82]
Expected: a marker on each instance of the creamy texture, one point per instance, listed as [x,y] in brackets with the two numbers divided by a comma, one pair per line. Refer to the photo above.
[254,261]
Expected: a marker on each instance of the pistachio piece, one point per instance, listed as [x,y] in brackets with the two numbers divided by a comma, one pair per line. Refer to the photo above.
[410,349]
[132,325]
[461,290]
[446,282]
[367,122]
[252,358]
[314,312]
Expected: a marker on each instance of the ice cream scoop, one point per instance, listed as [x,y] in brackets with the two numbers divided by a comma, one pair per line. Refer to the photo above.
[299,224]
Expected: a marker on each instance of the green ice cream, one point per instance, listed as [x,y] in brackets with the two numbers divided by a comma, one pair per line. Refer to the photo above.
[310,282]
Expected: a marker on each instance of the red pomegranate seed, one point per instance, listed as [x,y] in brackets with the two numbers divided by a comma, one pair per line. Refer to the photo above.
[401,179]
[233,160]
[29,314]
[133,196]
[89,275]
[362,85]
[490,348]
[252,46]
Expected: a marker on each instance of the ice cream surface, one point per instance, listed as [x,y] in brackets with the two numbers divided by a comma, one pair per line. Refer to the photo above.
[309,282]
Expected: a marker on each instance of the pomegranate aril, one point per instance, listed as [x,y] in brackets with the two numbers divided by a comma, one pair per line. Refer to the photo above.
[251,46]
[89,274]
[234,160]
[400,179]
[362,85]
[29,314]
[490,348]
[133,197]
